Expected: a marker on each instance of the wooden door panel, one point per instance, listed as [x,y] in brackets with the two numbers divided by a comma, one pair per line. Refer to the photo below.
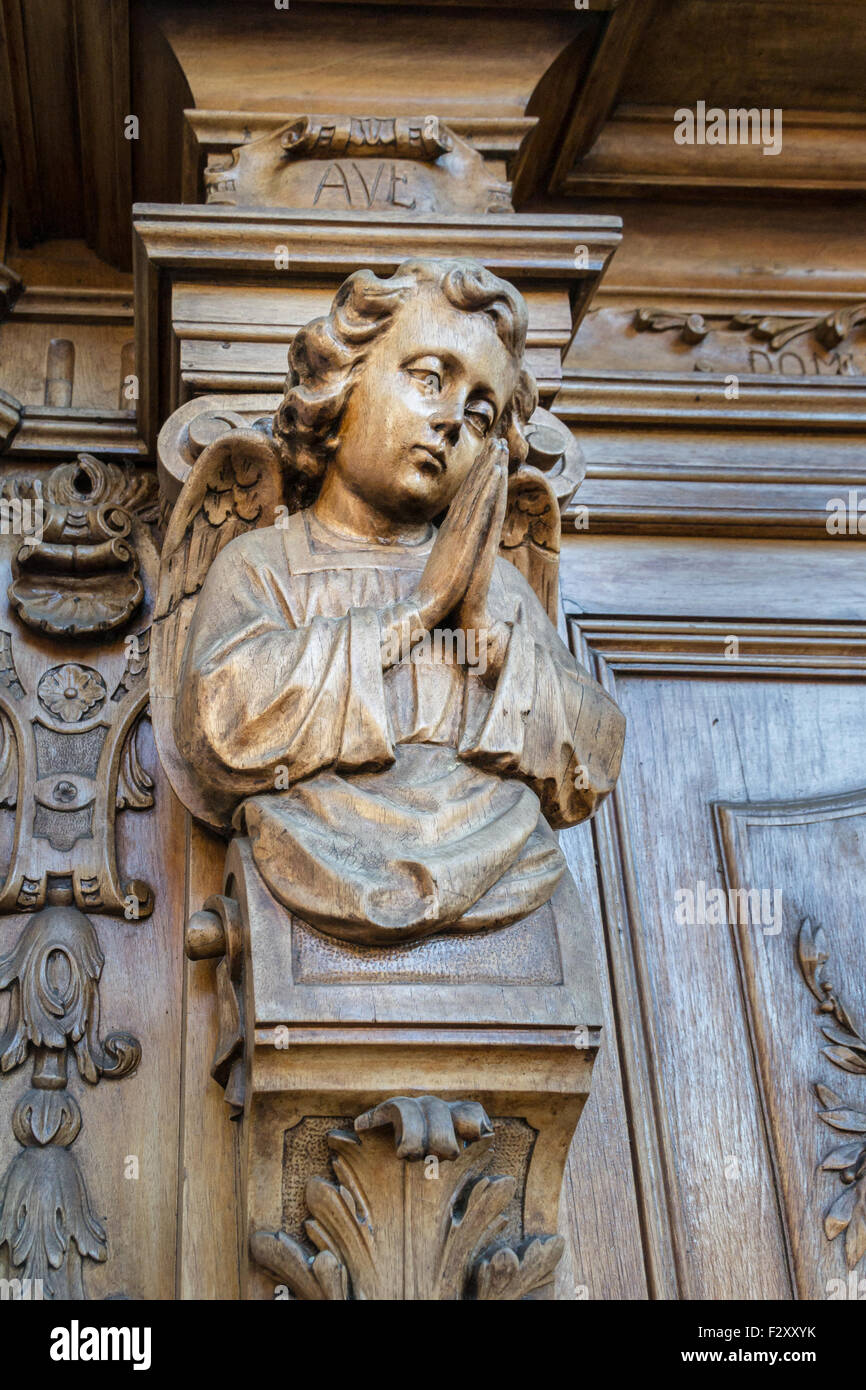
[815,850]
[707,1169]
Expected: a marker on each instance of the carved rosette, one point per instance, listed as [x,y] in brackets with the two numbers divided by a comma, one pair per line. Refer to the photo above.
[47,1222]
[413,1216]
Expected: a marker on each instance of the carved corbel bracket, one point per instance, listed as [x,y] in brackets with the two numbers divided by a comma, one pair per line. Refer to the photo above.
[364,1172]
[416,1216]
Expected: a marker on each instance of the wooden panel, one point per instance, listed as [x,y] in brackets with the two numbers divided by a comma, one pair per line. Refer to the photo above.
[684,576]
[735,53]
[599,1198]
[692,742]
[812,853]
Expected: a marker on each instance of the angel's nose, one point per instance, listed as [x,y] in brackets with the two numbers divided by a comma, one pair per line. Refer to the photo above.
[447,422]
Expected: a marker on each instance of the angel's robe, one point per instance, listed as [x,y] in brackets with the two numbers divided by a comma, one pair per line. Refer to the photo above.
[386,803]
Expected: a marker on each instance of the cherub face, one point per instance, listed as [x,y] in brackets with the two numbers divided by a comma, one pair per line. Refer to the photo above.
[431,392]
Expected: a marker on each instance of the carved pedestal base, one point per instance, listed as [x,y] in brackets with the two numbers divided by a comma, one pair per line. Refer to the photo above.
[405,1112]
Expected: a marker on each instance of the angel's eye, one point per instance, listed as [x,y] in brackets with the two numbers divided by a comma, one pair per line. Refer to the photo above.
[480,416]
[429,379]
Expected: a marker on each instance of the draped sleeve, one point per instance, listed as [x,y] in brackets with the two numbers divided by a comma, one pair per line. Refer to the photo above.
[548,722]
[263,693]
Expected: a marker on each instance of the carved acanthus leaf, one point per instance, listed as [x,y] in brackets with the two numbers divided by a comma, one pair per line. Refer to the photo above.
[46,1219]
[390,1227]
[512,1274]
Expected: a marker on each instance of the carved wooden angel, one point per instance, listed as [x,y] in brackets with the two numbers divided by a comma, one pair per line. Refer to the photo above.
[361,682]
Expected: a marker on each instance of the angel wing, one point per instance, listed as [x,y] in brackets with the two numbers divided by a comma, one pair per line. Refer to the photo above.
[235,486]
[538,492]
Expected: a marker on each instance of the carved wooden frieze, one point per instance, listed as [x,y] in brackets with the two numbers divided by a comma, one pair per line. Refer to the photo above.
[47,1221]
[408,164]
[680,339]
[429,1179]
[73,692]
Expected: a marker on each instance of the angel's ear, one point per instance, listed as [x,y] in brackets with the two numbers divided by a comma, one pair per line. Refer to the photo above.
[234,486]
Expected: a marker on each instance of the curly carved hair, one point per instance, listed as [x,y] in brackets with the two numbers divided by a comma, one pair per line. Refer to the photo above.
[327,355]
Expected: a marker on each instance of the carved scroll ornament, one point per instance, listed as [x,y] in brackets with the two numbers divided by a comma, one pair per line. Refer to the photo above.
[358,163]
[76,573]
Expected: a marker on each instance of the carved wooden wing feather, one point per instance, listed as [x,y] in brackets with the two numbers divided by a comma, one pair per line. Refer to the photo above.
[530,534]
[538,492]
[235,486]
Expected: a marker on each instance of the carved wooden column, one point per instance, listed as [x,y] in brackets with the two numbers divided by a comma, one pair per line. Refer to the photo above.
[404,1078]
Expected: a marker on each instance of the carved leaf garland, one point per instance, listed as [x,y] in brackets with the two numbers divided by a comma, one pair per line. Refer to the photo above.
[847,1213]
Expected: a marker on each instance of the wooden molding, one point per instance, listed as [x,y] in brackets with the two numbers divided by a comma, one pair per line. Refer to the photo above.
[635,154]
[237,249]
[62,432]
[67,304]
[675,400]
[649,646]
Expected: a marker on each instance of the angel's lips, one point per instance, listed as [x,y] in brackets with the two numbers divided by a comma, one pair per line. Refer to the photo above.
[430,458]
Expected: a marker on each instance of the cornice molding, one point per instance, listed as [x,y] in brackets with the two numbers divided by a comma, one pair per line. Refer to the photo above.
[635,154]
[688,399]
